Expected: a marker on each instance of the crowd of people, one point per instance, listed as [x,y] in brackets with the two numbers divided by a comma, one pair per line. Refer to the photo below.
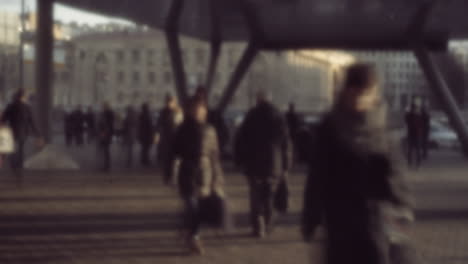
[352,172]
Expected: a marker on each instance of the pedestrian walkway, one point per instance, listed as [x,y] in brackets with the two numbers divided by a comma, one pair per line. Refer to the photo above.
[77,217]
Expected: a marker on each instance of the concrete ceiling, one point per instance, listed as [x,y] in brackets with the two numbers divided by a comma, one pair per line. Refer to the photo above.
[295,24]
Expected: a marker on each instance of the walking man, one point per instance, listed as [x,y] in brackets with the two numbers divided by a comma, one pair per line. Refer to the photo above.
[263,150]
[105,133]
[18,116]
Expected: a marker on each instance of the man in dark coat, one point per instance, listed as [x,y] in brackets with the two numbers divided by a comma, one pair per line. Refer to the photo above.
[415,124]
[426,118]
[90,124]
[105,133]
[263,150]
[130,128]
[68,128]
[145,134]
[294,124]
[352,175]
[19,117]
[169,120]
[78,124]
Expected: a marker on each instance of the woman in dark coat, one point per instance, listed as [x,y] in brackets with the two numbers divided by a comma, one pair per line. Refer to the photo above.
[145,134]
[352,174]
[200,173]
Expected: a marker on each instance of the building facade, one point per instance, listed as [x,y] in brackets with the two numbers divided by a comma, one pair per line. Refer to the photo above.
[132,67]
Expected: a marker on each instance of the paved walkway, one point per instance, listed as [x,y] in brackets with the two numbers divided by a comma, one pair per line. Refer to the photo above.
[64,217]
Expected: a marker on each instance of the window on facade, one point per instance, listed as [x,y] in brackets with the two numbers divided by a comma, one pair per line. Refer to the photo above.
[82,55]
[119,55]
[151,77]
[120,77]
[404,100]
[167,77]
[136,77]
[136,56]
[150,57]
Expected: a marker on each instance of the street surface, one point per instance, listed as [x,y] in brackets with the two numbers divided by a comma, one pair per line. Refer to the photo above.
[130,217]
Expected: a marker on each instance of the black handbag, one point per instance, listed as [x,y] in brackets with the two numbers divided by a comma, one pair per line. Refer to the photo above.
[281,198]
[213,210]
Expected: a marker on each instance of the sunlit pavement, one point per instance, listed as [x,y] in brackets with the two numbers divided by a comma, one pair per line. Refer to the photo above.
[82,217]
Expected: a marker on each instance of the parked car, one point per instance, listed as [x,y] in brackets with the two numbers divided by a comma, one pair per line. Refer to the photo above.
[441,136]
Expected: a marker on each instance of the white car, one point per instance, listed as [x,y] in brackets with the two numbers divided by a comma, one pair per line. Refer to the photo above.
[441,136]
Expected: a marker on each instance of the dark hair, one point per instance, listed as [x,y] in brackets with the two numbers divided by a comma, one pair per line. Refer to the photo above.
[18,95]
[193,104]
[360,76]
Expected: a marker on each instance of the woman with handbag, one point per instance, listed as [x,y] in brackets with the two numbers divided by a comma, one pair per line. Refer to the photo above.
[200,176]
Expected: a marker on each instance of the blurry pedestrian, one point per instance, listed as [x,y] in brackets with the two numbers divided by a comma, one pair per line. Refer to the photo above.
[294,124]
[145,134]
[426,129]
[264,151]
[18,116]
[105,133]
[415,124]
[215,118]
[200,174]
[68,128]
[353,174]
[130,130]
[169,119]
[78,125]
[90,124]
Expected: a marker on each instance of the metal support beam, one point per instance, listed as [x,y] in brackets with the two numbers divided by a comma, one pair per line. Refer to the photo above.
[214,58]
[441,90]
[215,45]
[175,52]
[240,71]
[44,70]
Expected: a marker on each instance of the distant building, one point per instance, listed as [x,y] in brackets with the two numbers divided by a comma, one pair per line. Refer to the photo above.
[132,67]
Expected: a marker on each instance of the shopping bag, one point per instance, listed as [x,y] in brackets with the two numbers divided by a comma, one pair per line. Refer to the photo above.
[7,142]
[281,198]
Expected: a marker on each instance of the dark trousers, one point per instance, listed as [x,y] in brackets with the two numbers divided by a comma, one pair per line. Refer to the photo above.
[192,218]
[414,152]
[128,149]
[425,147]
[89,136]
[105,154]
[167,164]
[79,138]
[261,203]
[145,150]
[68,139]
[17,158]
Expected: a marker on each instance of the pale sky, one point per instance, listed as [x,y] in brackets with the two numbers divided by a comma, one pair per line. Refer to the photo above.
[61,12]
